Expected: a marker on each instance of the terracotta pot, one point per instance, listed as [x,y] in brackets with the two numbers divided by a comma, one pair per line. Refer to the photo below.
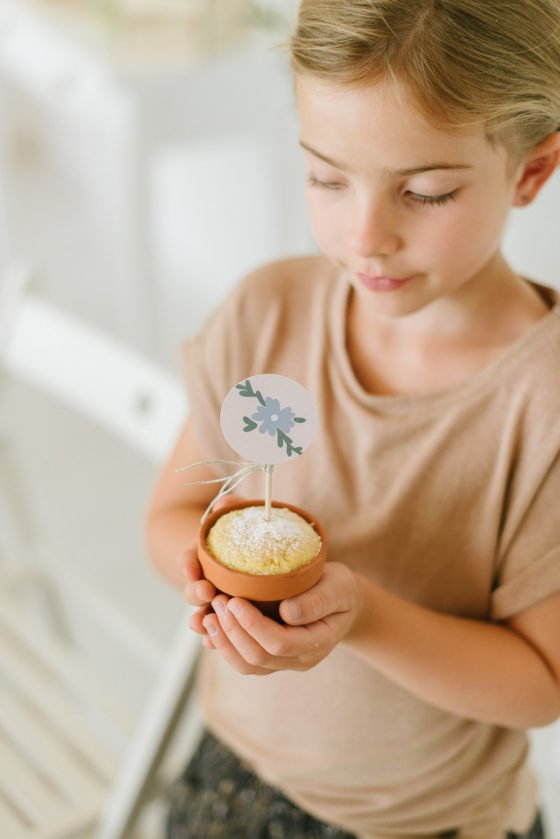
[265,590]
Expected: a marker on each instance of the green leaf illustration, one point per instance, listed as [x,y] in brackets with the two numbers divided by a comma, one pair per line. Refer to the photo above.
[299,419]
[283,439]
[249,424]
[246,389]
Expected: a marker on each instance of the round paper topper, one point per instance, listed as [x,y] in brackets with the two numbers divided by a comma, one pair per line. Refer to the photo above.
[269,419]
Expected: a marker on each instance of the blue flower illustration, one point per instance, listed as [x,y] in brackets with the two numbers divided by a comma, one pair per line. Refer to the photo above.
[272,417]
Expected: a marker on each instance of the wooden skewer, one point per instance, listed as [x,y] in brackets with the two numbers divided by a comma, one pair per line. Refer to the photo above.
[268,491]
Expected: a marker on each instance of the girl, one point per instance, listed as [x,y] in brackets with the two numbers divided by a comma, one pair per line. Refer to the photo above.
[400,686]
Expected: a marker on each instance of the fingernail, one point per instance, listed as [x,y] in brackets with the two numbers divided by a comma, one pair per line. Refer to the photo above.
[235,608]
[210,628]
[218,607]
[293,608]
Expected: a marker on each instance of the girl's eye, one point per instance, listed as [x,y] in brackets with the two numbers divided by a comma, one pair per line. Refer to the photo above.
[433,200]
[315,182]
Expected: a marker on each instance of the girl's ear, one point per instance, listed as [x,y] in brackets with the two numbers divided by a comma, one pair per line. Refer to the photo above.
[537,168]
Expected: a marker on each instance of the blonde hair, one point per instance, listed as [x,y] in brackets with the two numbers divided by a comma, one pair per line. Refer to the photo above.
[466,63]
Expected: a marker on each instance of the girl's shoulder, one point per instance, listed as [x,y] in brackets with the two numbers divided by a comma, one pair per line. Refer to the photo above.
[534,372]
[547,334]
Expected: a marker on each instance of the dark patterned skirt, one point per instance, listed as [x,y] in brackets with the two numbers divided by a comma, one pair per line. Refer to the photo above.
[218,797]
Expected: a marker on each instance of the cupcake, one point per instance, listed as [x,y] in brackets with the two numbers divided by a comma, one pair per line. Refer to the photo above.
[243,555]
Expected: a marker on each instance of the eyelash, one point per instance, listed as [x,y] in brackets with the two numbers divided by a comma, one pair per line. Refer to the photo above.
[434,200]
[314,182]
[425,200]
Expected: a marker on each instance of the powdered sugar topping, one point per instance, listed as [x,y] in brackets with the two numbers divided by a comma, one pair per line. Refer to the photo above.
[243,539]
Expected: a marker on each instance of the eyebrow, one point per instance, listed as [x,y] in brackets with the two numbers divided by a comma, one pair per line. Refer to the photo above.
[414,170]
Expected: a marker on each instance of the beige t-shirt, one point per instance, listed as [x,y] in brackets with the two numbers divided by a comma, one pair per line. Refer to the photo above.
[448,499]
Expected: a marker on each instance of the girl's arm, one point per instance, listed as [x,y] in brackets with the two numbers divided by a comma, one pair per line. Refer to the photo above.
[503,674]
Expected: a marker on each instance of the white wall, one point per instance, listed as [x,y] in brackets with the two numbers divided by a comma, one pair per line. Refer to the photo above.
[532,241]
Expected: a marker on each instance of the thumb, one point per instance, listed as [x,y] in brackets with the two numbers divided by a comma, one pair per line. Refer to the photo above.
[336,591]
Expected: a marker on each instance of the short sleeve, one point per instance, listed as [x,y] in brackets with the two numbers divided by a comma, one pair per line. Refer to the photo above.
[529,571]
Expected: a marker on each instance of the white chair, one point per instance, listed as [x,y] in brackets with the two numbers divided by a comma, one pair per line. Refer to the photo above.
[74,759]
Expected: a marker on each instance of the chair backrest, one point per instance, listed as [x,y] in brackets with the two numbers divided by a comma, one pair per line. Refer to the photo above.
[93,374]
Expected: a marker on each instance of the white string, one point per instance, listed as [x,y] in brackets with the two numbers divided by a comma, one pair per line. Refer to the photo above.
[229,486]
[229,483]
[208,462]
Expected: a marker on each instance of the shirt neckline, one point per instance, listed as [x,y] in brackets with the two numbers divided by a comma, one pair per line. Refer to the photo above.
[487,377]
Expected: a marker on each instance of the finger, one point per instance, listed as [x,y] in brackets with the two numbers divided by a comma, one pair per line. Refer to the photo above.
[244,643]
[205,591]
[226,649]
[290,647]
[249,650]
[196,620]
[196,624]
[258,635]
[190,566]
[198,590]
[199,593]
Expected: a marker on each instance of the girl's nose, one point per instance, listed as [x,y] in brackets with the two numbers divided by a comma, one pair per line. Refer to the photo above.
[374,232]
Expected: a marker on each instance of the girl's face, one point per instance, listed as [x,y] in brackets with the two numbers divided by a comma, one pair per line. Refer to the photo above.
[410,213]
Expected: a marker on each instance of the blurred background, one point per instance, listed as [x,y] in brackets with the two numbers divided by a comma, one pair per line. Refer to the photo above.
[148,158]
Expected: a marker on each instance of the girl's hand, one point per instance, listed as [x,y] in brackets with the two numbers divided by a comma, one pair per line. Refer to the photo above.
[315,622]
[198,592]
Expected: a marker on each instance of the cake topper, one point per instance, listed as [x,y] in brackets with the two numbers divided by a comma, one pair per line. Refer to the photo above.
[269,420]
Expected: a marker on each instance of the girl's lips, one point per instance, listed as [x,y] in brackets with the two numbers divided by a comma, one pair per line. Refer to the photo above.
[382,283]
